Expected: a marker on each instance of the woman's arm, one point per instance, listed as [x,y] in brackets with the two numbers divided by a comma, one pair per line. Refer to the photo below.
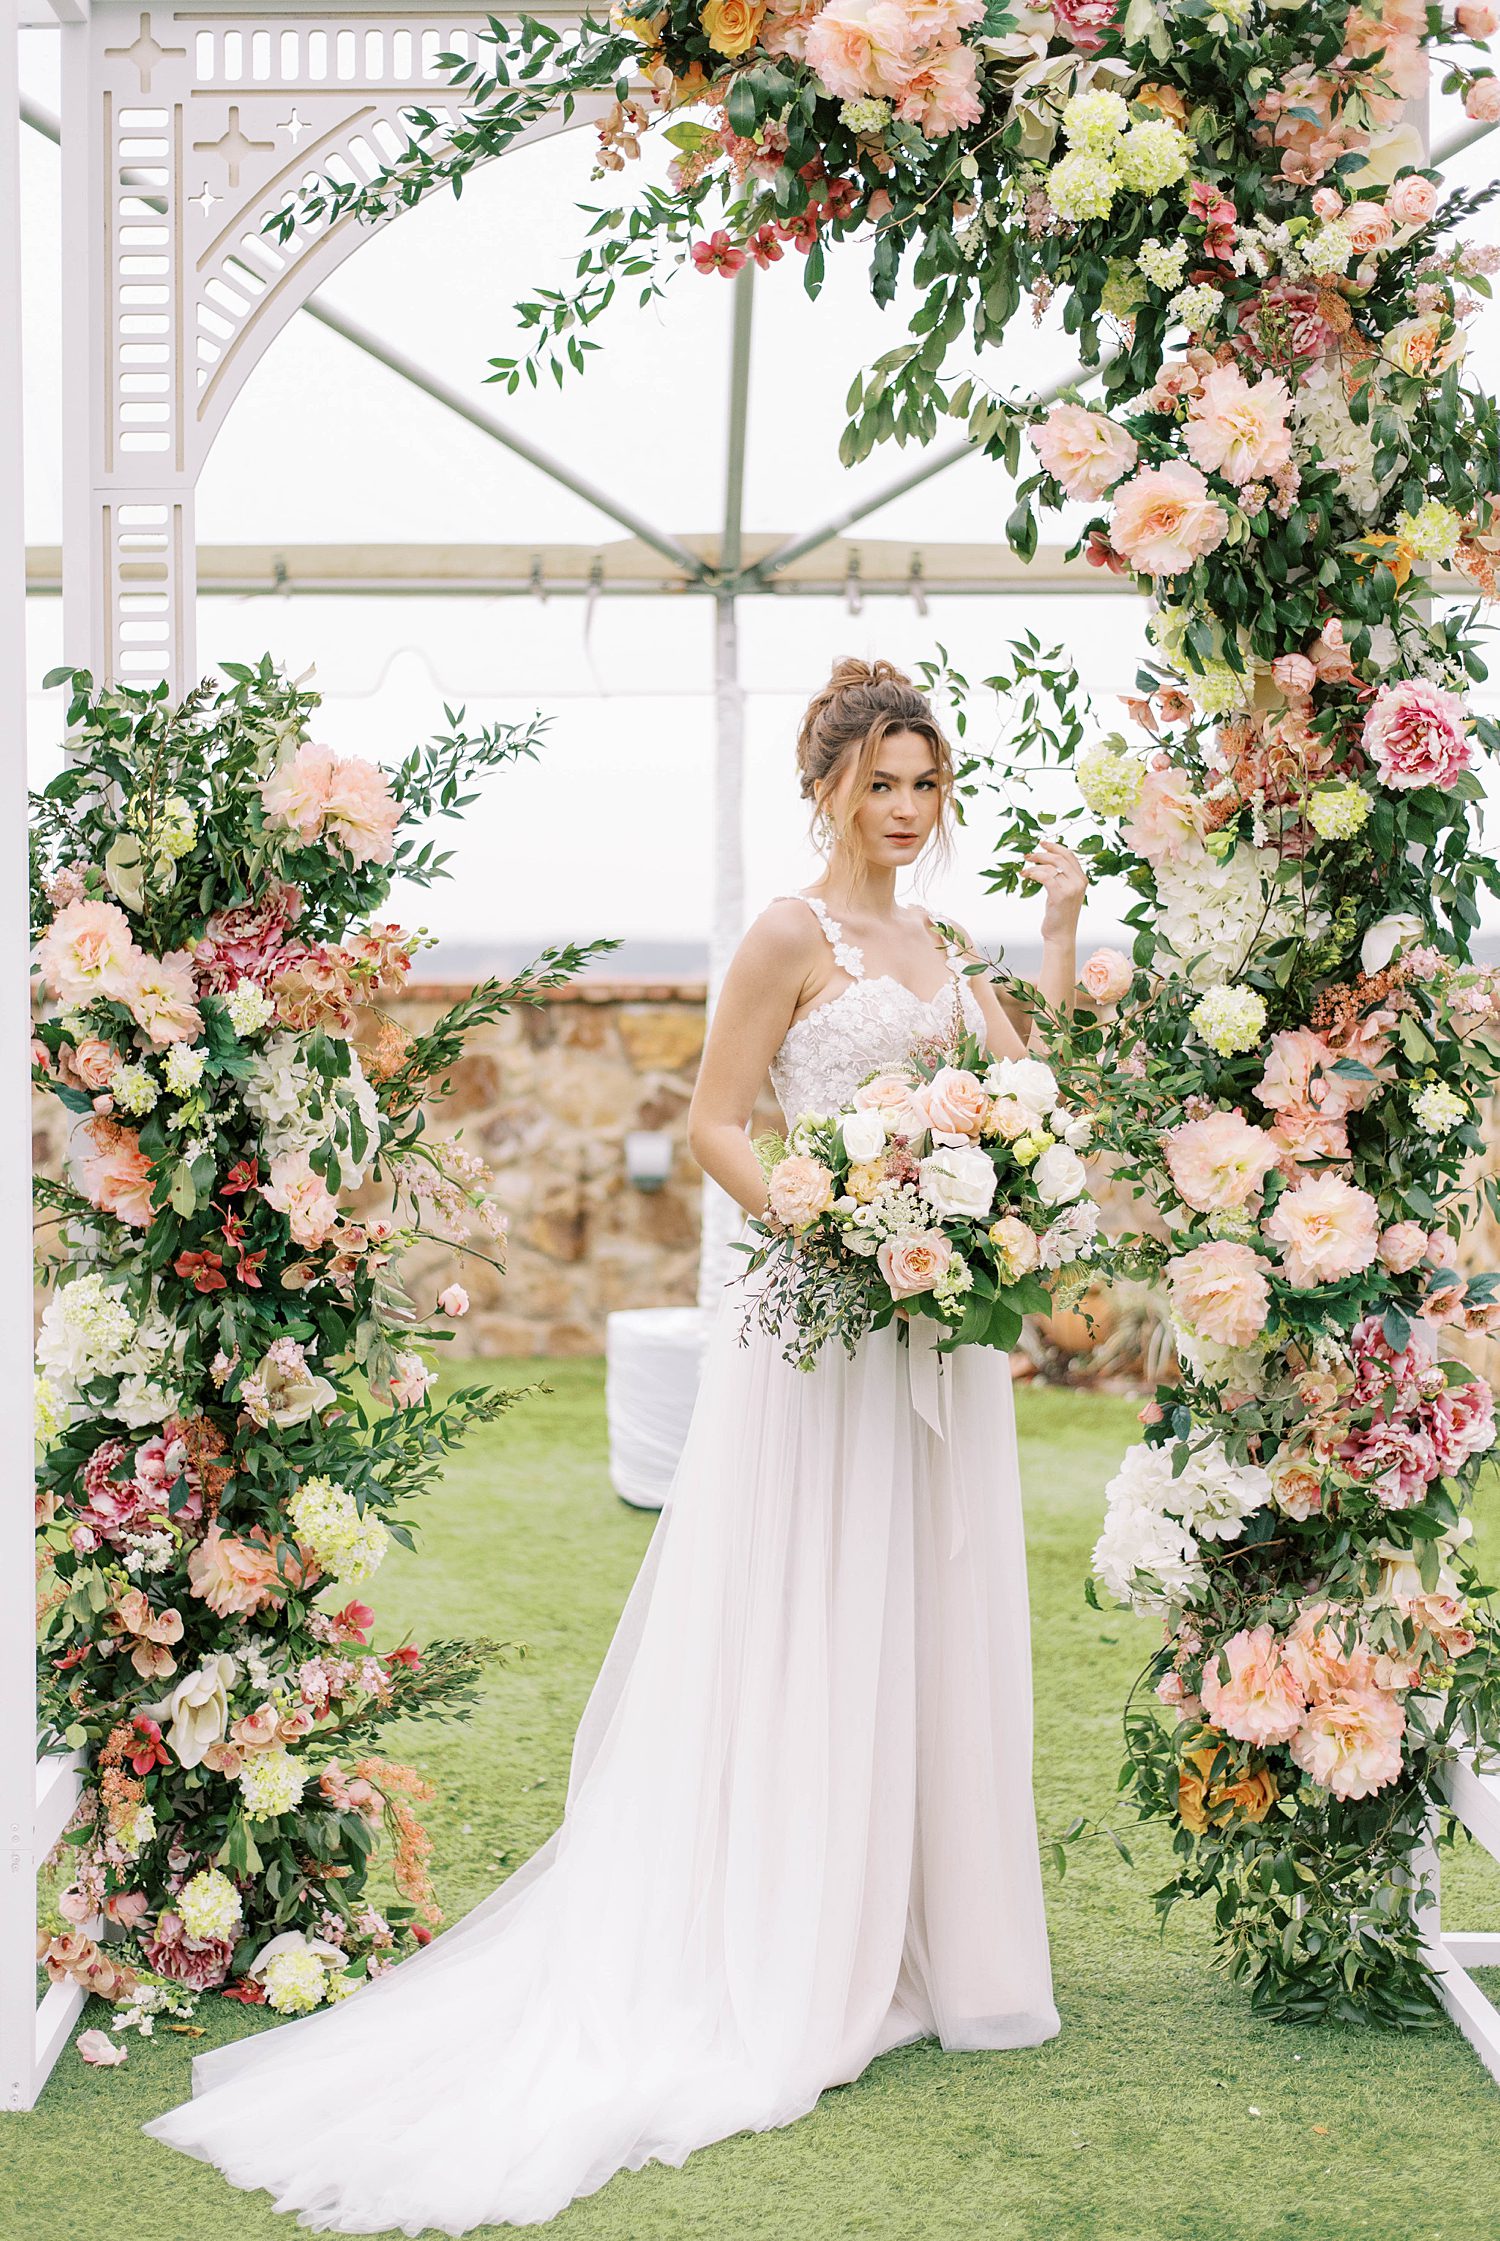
[761,991]
[1058,871]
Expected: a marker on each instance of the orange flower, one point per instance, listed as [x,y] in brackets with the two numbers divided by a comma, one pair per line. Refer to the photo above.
[1248,1797]
[1164,101]
[1398,561]
[731,26]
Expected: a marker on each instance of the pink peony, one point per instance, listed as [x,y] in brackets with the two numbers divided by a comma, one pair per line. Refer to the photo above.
[114,1174]
[1218,1163]
[1238,428]
[954,1105]
[1262,1702]
[1379,1369]
[1220,1292]
[862,48]
[1163,822]
[361,811]
[299,1192]
[160,992]
[200,1963]
[913,1263]
[1299,1071]
[1461,1422]
[943,96]
[799,1191]
[87,951]
[1396,1462]
[1165,518]
[1083,23]
[1402,1246]
[1412,200]
[1086,451]
[1416,734]
[1350,1743]
[246,943]
[1286,321]
[1327,1230]
[296,791]
[1107,975]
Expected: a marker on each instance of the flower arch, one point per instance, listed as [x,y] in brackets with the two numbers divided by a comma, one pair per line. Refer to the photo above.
[1233,204]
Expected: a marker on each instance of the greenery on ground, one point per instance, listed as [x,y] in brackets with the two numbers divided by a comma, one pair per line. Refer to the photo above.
[1164,2112]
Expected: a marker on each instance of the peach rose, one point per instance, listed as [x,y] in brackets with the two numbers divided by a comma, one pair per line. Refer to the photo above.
[1295,675]
[954,1105]
[1262,1702]
[1218,1163]
[800,1190]
[1351,1743]
[1220,1292]
[943,95]
[1402,1246]
[94,1061]
[891,1095]
[1086,451]
[1412,200]
[1165,518]
[1296,1485]
[1482,103]
[1250,1798]
[1009,1119]
[1016,1247]
[913,1263]
[730,26]
[1327,1230]
[1238,429]
[1107,975]
[236,1576]
[1477,19]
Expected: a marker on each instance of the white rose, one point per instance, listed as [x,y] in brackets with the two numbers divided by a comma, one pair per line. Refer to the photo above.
[197,1708]
[1027,1080]
[864,1134]
[1059,1175]
[960,1179]
[1385,938]
[1077,1130]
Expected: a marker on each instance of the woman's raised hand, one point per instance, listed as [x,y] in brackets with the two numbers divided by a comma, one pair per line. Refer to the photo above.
[1061,874]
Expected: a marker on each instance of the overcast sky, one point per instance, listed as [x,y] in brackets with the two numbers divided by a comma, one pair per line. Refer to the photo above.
[610,832]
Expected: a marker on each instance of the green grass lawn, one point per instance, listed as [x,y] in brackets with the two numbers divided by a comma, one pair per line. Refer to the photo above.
[1162,2113]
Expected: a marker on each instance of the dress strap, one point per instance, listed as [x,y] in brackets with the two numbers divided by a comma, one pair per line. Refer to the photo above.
[846,955]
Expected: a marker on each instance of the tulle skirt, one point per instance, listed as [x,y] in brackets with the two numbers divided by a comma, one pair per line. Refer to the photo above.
[799,1832]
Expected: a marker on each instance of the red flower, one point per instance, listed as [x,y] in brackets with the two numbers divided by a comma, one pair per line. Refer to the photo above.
[353,1622]
[245,1989]
[243,1176]
[204,1271]
[147,1751]
[840,197]
[1217,216]
[1100,553]
[718,254]
[246,1264]
[421,1933]
[408,1656]
[764,246]
[802,230]
[810,173]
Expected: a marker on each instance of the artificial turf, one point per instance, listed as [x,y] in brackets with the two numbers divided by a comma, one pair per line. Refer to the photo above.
[1162,2113]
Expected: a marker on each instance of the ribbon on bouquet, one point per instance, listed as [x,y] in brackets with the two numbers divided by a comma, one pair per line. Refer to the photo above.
[928,1380]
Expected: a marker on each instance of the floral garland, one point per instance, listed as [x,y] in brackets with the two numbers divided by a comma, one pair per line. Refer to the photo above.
[1253,250]
[213,1494]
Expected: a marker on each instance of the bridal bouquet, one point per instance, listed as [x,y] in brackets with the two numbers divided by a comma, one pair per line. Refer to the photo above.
[950,1188]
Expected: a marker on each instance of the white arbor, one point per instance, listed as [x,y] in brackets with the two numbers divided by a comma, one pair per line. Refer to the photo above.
[183,130]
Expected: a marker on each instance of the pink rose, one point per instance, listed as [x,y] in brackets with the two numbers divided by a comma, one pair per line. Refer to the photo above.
[1220,1292]
[1402,1246]
[1086,451]
[1237,428]
[1327,202]
[94,1061]
[1165,518]
[1442,1248]
[1416,734]
[799,1191]
[1482,101]
[1330,655]
[298,1191]
[1350,1744]
[892,1096]
[1296,1485]
[87,951]
[1295,675]
[1412,200]
[1016,1248]
[954,1105]
[1218,1163]
[913,1263]
[453,1300]
[1262,1701]
[1370,227]
[1476,19]
[1327,1230]
[1107,976]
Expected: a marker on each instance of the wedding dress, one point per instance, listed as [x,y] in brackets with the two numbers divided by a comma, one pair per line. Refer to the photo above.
[799,1828]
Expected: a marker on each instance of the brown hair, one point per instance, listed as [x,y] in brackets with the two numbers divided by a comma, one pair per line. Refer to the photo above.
[843,729]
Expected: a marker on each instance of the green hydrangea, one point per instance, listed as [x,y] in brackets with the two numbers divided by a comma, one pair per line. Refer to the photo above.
[1152,156]
[1229,1019]
[1337,812]
[1082,187]
[1095,121]
[1110,782]
[1163,262]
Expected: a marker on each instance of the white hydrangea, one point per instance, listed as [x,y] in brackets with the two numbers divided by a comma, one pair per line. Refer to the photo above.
[1323,427]
[1196,307]
[1094,121]
[1230,1019]
[89,1332]
[1082,187]
[297,1110]
[349,1546]
[1163,262]
[1110,782]
[209,1905]
[1337,812]
[1148,1555]
[133,1090]
[1238,1368]
[1437,1109]
[182,1068]
[1215,912]
[1328,251]
[249,1008]
[295,1981]
[271,1782]
[1152,156]
[1146,1560]
[866,117]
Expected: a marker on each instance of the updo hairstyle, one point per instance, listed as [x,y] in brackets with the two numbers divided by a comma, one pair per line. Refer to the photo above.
[842,733]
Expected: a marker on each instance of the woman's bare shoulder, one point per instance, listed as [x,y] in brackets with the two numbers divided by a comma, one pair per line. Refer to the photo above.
[785,934]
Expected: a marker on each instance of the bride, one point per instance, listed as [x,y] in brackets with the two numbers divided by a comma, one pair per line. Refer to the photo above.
[799,1827]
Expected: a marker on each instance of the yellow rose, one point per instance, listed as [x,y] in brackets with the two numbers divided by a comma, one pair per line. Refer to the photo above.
[864,1179]
[732,26]
[1250,1797]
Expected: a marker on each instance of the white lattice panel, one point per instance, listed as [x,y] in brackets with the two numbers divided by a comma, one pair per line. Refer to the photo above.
[196,125]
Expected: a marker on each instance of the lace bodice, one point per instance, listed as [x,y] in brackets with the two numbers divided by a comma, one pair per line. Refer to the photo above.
[873,1022]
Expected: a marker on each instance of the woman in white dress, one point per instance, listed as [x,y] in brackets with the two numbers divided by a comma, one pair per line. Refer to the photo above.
[799,1827]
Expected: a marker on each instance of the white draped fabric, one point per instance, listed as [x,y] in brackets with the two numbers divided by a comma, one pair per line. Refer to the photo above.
[799,1827]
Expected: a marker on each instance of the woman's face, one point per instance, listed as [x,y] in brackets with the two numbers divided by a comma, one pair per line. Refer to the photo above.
[895,821]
